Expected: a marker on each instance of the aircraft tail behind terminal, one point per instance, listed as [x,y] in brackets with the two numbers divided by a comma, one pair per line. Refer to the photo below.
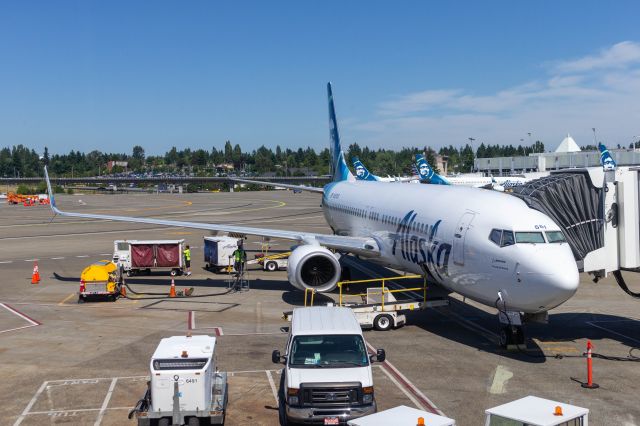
[607,161]
[339,169]
[426,174]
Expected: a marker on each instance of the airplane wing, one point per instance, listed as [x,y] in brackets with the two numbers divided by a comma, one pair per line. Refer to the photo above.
[358,245]
[280,185]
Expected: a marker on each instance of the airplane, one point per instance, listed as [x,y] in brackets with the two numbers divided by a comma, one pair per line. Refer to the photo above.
[606,160]
[362,173]
[485,245]
[426,174]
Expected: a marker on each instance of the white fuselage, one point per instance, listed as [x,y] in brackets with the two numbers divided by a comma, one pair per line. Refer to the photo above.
[446,230]
[477,181]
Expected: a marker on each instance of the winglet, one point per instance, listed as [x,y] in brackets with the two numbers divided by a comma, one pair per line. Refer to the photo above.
[52,201]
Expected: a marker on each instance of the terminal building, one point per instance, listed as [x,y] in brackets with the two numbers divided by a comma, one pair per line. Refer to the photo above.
[566,156]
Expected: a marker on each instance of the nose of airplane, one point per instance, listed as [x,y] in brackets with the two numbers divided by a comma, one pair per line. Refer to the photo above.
[560,279]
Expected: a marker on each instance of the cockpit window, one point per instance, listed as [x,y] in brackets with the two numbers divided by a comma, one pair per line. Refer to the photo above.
[529,237]
[507,239]
[496,236]
[555,237]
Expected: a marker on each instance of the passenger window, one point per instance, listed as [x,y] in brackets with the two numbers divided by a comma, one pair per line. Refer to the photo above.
[496,236]
[507,239]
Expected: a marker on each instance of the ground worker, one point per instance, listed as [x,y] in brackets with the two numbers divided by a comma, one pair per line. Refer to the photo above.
[239,258]
[187,259]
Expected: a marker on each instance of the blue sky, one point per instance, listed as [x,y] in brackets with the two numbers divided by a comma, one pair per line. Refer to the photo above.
[108,75]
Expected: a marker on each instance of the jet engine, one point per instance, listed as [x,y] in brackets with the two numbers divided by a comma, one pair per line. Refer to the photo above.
[315,267]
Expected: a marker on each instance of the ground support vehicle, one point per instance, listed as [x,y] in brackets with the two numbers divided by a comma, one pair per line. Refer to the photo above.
[327,377]
[534,411]
[185,387]
[378,307]
[402,415]
[100,281]
[218,253]
[136,256]
[272,262]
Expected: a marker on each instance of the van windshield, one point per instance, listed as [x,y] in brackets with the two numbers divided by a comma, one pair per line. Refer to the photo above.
[332,351]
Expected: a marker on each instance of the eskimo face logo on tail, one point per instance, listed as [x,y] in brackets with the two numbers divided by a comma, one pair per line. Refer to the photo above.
[608,163]
[424,170]
[361,171]
[420,250]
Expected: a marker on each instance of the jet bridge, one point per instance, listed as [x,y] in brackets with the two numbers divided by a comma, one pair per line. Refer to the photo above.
[599,212]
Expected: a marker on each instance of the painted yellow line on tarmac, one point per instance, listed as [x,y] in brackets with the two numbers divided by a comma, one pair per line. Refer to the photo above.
[65,299]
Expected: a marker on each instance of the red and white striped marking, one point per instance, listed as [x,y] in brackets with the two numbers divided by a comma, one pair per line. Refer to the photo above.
[409,389]
[32,322]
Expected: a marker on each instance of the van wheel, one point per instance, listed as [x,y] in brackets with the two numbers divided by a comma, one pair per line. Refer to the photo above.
[272,266]
[173,272]
[383,322]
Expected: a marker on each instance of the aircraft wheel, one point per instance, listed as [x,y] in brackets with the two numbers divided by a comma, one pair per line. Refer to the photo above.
[272,266]
[383,322]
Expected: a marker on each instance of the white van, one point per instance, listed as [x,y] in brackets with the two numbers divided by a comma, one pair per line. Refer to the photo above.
[327,377]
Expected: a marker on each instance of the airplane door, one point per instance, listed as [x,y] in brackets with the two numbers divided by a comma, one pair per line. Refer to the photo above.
[459,237]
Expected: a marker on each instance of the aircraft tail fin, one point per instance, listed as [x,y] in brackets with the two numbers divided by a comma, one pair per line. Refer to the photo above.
[339,169]
[426,174]
[606,160]
[362,173]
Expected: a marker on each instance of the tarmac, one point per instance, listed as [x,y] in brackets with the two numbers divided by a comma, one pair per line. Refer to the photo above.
[69,363]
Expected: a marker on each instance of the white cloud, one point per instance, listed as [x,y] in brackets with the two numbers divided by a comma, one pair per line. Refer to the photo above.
[601,91]
[619,55]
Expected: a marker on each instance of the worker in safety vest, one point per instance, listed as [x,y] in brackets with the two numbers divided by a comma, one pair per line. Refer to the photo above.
[239,258]
[187,259]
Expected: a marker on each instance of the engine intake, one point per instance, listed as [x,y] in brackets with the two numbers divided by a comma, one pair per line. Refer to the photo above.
[313,267]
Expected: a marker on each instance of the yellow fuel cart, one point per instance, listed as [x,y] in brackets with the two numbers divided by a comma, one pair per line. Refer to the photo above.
[100,281]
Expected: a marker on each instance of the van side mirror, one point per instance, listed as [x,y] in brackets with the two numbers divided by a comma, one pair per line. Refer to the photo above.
[380,356]
[276,358]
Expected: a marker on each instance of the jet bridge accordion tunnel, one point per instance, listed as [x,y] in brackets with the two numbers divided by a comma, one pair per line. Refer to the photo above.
[599,213]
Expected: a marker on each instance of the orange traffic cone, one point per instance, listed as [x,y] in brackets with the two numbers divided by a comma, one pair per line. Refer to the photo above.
[123,290]
[172,292]
[35,277]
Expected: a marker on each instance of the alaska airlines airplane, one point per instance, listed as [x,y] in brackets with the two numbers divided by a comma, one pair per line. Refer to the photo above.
[426,174]
[362,173]
[606,160]
[485,245]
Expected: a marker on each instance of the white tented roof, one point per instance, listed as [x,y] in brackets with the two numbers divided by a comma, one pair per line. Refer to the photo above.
[568,145]
[535,411]
[401,416]
[199,346]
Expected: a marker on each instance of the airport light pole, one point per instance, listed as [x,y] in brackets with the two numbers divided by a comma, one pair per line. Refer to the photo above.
[534,149]
[473,153]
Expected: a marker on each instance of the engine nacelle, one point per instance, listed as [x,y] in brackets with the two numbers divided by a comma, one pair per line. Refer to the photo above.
[313,267]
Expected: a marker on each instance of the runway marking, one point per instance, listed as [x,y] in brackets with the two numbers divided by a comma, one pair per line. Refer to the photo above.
[65,299]
[57,258]
[31,260]
[273,386]
[32,322]
[611,331]
[424,402]
[7,261]
[500,378]
[82,255]
[76,234]
[105,403]
[31,403]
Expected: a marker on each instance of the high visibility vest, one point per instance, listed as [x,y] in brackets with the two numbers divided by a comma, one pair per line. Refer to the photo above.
[187,254]
[238,255]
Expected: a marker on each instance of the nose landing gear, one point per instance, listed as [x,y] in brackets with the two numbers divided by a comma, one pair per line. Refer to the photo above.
[511,331]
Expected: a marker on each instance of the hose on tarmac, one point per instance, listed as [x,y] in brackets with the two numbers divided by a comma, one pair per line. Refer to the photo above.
[160,296]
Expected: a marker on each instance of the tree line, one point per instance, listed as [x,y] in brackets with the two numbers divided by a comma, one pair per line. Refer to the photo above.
[20,161]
